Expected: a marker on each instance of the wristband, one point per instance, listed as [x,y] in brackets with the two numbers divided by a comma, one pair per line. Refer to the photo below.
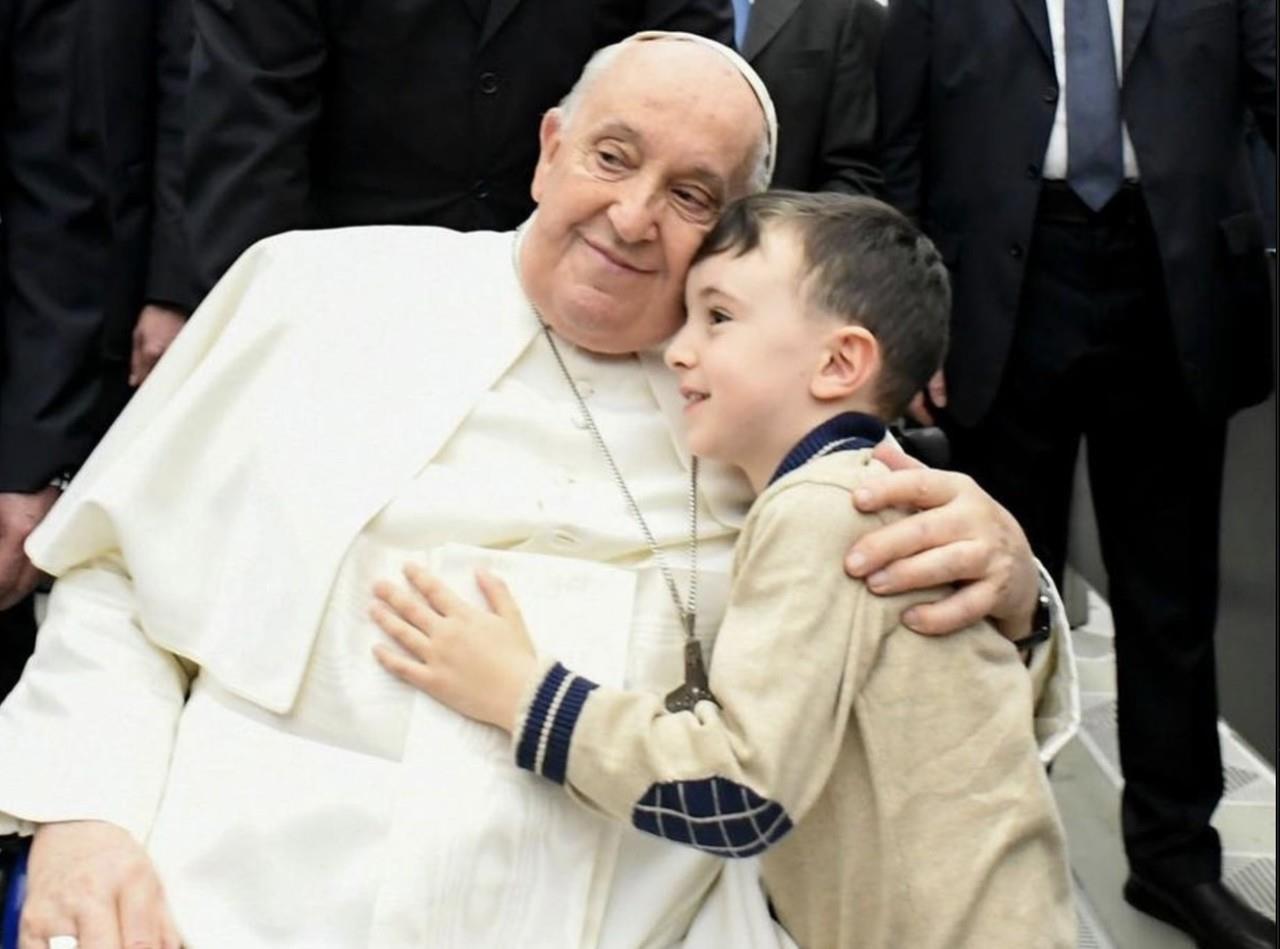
[1041,618]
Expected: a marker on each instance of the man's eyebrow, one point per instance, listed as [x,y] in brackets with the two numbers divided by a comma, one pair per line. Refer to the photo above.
[616,128]
[712,179]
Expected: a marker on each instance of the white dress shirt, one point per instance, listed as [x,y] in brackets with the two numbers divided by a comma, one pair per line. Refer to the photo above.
[1055,156]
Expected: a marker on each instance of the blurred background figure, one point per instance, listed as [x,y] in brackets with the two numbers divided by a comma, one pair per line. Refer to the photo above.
[88,127]
[1106,246]
[817,59]
[307,113]
[1263,157]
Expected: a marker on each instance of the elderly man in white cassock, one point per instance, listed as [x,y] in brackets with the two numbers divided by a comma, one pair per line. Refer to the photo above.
[204,745]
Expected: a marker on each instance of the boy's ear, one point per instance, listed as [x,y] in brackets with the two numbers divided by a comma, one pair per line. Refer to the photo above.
[849,361]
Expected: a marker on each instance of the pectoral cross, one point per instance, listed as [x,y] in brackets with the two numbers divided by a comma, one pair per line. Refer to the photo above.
[696,688]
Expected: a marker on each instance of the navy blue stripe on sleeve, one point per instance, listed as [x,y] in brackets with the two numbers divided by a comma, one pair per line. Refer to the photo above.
[556,759]
[531,734]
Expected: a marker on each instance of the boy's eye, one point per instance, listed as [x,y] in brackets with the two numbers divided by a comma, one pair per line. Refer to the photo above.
[716,316]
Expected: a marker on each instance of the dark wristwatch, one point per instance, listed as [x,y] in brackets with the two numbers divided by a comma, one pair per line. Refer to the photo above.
[1041,617]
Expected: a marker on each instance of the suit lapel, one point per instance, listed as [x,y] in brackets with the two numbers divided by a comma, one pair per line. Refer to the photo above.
[499,10]
[1137,14]
[767,17]
[1037,17]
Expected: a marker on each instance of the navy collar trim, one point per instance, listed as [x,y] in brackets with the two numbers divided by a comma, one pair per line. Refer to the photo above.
[848,431]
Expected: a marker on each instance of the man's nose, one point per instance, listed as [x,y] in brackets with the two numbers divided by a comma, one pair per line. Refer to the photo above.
[634,212]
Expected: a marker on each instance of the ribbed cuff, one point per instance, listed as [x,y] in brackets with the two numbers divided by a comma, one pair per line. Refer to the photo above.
[545,736]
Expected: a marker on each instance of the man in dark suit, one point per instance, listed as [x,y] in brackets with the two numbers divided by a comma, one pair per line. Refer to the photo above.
[1106,250]
[312,114]
[82,251]
[133,62]
[817,59]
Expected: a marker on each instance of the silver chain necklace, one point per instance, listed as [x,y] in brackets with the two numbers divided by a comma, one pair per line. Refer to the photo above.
[695,687]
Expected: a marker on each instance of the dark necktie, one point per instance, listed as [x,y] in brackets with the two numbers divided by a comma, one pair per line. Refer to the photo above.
[741,14]
[1095,160]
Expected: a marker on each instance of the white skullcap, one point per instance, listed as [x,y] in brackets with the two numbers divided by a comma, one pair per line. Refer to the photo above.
[744,69]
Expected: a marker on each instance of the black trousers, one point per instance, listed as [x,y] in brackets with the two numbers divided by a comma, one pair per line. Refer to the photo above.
[1093,355]
[17,642]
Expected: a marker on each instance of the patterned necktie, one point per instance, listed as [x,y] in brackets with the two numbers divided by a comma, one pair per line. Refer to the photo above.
[741,14]
[1095,161]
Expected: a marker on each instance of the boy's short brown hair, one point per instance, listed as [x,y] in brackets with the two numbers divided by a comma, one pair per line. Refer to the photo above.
[863,262]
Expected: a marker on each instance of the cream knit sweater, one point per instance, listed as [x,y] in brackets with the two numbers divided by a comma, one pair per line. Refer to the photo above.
[891,780]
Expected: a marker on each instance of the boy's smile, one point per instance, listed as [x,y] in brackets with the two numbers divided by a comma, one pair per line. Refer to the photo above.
[691,397]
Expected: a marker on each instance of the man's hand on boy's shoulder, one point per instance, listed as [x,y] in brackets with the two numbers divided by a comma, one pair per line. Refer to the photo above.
[956,534]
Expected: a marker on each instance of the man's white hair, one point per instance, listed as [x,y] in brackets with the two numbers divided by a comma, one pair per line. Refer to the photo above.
[765,150]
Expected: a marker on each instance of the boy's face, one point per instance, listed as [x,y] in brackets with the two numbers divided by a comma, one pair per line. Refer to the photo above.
[748,353]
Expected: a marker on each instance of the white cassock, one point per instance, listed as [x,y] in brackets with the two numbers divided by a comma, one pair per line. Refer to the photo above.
[204,676]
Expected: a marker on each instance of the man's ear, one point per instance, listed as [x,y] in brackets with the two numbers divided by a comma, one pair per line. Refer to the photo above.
[549,136]
[849,361]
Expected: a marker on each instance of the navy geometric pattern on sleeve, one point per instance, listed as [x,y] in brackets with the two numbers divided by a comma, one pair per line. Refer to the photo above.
[716,815]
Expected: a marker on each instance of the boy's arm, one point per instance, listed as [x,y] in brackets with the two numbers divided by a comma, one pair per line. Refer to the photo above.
[794,648]
[924,548]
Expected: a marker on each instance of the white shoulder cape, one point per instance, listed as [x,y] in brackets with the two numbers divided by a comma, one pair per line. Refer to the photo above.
[323,371]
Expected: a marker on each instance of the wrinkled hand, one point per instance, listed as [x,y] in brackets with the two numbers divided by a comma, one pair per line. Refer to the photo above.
[957,535]
[919,407]
[156,329]
[92,880]
[19,515]
[476,662]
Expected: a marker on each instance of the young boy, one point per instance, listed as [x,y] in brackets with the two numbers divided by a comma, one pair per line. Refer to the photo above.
[892,781]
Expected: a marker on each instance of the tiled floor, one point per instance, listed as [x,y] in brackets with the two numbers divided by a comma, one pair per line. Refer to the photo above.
[1086,780]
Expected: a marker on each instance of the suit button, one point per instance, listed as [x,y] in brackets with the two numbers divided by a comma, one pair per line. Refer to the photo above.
[1051,95]
[1015,251]
[1033,170]
[480,189]
[488,83]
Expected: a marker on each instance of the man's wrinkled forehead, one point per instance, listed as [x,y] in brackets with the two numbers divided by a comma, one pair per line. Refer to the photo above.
[639,65]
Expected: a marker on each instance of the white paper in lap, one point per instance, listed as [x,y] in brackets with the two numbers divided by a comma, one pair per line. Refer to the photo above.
[481,853]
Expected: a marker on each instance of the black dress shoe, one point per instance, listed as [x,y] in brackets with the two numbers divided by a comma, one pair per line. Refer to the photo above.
[1208,912]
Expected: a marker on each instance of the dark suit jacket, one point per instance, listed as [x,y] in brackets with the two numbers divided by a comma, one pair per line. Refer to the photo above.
[322,113]
[817,59]
[967,97]
[77,142]
[132,65]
